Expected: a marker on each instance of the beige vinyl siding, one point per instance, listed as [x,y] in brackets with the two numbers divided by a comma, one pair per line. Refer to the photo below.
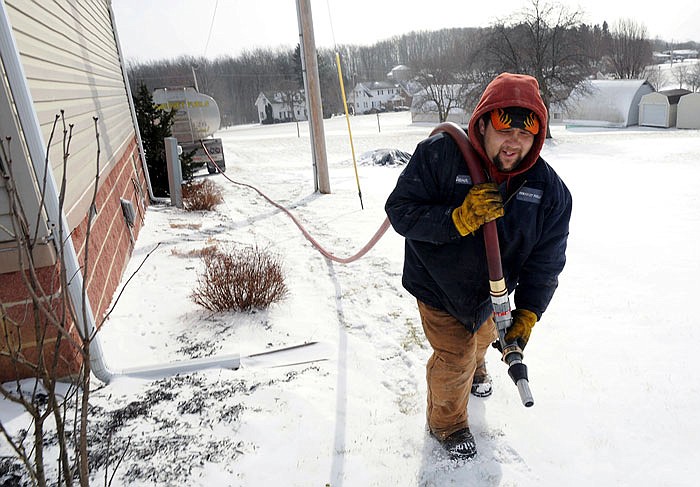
[26,187]
[71,63]
[23,176]
[8,129]
[5,222]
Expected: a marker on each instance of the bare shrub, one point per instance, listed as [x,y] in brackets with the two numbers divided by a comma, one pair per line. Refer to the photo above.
[201,195]
[239,280]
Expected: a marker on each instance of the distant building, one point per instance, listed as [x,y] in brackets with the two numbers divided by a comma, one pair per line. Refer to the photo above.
[281,107]
[377,96]
[660,109]
[400,73]
[682,54]
[689,112]
[606,103]
[675,56]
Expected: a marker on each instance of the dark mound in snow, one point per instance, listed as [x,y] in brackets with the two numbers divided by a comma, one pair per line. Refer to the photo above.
[384,157]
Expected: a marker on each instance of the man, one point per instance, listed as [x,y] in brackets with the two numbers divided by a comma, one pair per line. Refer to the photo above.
[439,212]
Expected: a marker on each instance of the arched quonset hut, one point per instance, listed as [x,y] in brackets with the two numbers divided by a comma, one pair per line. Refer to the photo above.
[689,112]
[607,103]
[660,109]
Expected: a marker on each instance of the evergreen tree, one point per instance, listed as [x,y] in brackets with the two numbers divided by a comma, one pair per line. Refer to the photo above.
[154,125]
[330,89]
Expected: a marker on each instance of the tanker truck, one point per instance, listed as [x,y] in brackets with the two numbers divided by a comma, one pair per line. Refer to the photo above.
[196,119]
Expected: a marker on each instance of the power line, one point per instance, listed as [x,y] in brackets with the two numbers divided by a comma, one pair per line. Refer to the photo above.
[210,75]
[211,28]
[330,20]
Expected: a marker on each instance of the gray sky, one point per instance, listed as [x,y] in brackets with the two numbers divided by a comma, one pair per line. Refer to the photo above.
[157,29]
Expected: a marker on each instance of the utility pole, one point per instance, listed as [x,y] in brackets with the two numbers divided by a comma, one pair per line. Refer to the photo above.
[312,88]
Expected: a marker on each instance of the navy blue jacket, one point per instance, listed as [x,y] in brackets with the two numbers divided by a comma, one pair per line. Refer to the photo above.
[448,271]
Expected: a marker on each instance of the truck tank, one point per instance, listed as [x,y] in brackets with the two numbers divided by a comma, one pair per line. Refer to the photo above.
[196,119]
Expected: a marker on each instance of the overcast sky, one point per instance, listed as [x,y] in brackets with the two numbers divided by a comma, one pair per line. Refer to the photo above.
[157,29]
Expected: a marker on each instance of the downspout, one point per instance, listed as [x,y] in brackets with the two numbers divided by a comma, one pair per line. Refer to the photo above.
[37,155]
[130,99]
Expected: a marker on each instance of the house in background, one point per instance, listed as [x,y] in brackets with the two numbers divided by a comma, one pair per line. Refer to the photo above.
[281,107]
[400,73]
[660,109]
[675,56]
[376,96]
[689,112]
[606,103]
[64,57]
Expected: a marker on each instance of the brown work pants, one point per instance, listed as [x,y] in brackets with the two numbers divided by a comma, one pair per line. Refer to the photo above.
[450,370]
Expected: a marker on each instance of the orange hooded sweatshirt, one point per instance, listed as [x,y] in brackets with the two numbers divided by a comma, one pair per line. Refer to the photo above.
[509,90]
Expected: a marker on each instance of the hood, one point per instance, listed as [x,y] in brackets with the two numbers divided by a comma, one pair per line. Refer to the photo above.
[509,90]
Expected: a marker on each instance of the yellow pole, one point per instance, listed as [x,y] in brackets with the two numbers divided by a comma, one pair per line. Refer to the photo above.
[347,118]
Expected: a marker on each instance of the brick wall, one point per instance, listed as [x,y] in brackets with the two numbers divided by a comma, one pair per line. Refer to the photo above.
[109,249]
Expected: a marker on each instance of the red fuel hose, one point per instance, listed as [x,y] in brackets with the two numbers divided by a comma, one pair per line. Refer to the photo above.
[342,260]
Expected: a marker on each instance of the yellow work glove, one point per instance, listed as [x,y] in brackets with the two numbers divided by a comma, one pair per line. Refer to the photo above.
[523,321]
[482,204]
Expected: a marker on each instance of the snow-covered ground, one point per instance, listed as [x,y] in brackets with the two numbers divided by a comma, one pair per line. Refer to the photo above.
[612,362]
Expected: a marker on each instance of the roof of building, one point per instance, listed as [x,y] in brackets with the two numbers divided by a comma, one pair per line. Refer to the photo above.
[377,85]
[674,96]
[274,97]
[611,101]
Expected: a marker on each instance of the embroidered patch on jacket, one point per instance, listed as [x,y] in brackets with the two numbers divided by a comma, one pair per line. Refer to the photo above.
[463,179]
[531,195]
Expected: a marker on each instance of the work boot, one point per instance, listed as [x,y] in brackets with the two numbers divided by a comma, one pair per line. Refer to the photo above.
[460,444]
[481,385]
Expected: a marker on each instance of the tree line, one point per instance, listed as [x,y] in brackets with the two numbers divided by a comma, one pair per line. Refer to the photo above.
[546,40]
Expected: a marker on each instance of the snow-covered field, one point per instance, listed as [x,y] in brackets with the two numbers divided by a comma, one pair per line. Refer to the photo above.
[612,362]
